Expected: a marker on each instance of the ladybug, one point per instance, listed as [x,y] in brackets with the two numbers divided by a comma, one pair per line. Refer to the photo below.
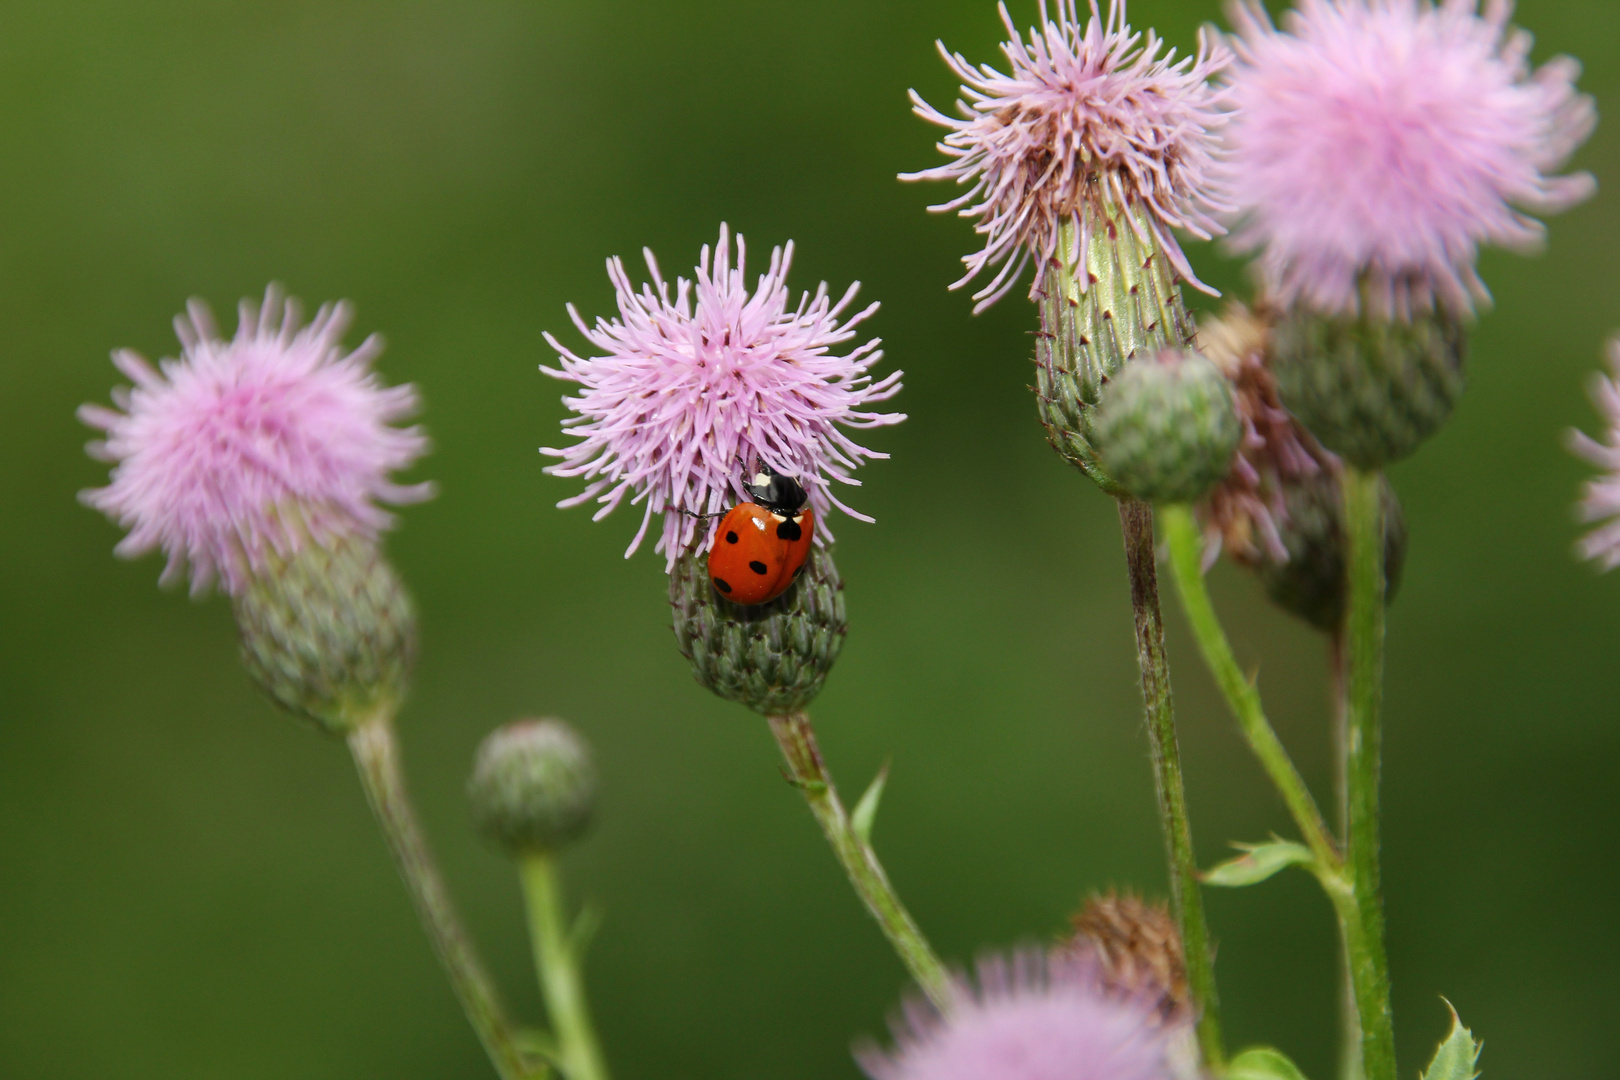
[761,546]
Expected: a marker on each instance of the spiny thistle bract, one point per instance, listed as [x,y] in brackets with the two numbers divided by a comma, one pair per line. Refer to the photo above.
[1166,427]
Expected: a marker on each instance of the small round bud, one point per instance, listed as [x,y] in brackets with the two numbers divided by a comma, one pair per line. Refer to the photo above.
[1313,583]
[533,786]
[328,631]
[1371,390]
[772,657]
[1167,427]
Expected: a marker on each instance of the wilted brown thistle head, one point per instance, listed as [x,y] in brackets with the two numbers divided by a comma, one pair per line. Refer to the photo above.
[1137,949]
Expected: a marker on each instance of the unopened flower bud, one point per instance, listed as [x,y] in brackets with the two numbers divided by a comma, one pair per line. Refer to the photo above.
[1370,389]
[1313,583]
[533,787]
[328,631]
[771,657]
[1166,427]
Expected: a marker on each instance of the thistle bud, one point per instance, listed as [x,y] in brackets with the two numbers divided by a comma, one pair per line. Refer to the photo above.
[533,786]
[1313,582]
[1371,390]
[328,631]
[771,657]
[1166,427]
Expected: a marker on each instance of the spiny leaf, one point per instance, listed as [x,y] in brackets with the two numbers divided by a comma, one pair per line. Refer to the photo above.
[1457,1056]
[1262,1063]
[866,810]
[1258,862]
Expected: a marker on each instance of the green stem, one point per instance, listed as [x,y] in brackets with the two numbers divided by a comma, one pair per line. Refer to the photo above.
[1349,1018]
[1369,964]
[1136,521]
[376,755]
[557,962]
[797,738]
[1186,558]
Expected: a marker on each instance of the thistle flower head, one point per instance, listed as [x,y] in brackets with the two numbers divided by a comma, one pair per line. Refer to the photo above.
[700,384]
[1246,512]
[242,450]
[1029,1017]
[1601,502]
[1376,144]
[1085,111]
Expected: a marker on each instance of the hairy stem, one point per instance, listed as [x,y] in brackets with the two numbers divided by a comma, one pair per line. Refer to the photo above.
[1349,1017]
[1369,963]
[376,754]
[1136,520]
[797,738]
[557,963]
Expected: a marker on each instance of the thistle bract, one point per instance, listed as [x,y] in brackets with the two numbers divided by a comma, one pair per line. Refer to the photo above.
[771,657]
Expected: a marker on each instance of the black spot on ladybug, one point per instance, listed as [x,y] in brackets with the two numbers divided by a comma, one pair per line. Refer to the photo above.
[758,567]
[789,530]
[722,584]
[731,538]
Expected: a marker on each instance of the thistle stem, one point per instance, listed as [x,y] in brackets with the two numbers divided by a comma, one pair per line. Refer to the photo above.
[376,755]
[808,771]
[1136,521]
[556,961]
[1186,559]
[1349,1018]
[1369,963]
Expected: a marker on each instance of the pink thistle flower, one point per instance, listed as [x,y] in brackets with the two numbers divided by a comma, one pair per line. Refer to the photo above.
[698,388]
[212,450]
[1602,495]
[1087,112]
[1376,144]
[1030,1017]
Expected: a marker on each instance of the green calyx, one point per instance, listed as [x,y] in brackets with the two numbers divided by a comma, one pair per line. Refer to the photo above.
[533,786]
[1371,390]
[329,632]
[771,657]
[1130,304]
[1314,583]
[1166,427]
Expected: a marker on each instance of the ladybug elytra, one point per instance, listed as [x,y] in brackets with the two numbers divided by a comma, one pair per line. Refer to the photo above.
[761,546]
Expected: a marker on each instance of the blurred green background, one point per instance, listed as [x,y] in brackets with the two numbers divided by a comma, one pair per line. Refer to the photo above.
[191,885]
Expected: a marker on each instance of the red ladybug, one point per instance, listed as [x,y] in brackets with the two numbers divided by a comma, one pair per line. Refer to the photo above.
[761,546]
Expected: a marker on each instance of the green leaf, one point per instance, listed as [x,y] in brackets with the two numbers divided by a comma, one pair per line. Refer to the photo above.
[1258,862]
[586,924]
[866,810]
[1262,1063]
[1458,1055]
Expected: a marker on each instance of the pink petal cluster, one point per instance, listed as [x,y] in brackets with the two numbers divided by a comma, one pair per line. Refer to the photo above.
[1086,111]
[242,448]
[1376,144]
[1247,511]
[1602,495]
[1030,1017]
[700,384]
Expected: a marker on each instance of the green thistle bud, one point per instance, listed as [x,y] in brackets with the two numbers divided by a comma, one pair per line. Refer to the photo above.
[533,786]
[772,657]
[329,632]
[1167,426]
[1130,305]
[1371,390]
[1313,583]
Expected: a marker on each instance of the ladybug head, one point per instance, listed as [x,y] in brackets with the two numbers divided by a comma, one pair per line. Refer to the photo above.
[775,492]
